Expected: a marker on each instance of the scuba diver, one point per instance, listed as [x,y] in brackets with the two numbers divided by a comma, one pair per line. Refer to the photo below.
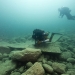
[41,36]
[66,11]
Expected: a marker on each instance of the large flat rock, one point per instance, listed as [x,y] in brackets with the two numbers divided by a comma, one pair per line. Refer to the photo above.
[51,49]
[4,49]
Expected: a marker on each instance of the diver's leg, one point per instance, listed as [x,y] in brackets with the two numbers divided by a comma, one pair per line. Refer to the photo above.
[73,17]
[69,16]
[62,15]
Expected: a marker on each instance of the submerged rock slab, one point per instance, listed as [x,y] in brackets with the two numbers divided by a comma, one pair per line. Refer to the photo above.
[36,69]
[4,49]
[28,54]
[51,49]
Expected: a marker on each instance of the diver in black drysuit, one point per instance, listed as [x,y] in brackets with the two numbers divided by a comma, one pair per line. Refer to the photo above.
[41,36]
[66,11]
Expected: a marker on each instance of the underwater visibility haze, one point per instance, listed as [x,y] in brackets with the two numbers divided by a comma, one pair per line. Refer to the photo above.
[27,47]
[21,17]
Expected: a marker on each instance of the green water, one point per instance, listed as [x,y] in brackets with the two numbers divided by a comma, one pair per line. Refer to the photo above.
[21,17]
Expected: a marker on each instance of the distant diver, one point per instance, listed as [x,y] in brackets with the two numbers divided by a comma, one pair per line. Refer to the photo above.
[66,11]
[41,36]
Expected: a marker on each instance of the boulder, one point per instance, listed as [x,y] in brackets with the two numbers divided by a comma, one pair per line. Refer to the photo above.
[48,68]
[40,59]
[64,74]
[69,65]
[15,73]
[1,56]
[65,55]
[28,54]
[5,55]
[59,67]
[49,63]
[71,72]
[71,60]
[36,69]
[44,61]
[74,50]
[21,69]
[29,64]
[7,67]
